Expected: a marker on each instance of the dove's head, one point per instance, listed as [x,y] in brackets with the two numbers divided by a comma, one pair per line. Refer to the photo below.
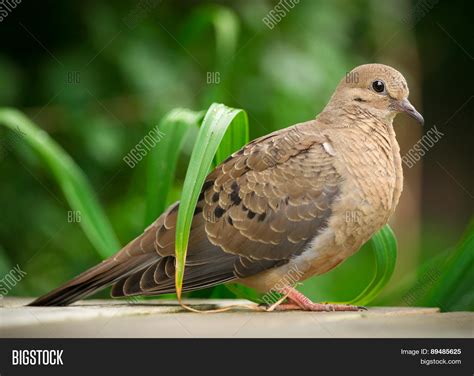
[378,89]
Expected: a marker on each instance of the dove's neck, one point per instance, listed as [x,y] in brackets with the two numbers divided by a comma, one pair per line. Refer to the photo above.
[355,116]
[362,123]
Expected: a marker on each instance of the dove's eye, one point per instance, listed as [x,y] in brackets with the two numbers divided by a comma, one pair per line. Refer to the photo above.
[378,86]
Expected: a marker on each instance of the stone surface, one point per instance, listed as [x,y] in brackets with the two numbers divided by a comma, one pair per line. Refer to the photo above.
[160,318]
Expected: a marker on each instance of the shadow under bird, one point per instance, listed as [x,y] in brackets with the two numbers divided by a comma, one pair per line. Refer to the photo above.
[303,198]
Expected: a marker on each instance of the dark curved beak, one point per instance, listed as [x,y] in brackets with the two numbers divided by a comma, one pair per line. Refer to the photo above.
[406,107]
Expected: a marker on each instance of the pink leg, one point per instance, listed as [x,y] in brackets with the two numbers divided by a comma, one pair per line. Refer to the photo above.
[301,302]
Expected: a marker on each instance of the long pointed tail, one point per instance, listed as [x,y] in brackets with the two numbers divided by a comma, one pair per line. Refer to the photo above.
[92,280]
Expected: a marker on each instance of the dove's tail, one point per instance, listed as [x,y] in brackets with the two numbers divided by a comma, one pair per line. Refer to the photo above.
[95,279]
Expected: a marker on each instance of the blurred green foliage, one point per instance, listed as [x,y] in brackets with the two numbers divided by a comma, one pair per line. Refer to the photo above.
[98,76]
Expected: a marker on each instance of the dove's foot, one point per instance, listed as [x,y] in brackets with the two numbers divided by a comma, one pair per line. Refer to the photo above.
[297,301]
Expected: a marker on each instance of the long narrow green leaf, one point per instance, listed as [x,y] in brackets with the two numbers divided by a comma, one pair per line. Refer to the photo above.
[218,118]
[415,283]
[457,274]
[226,29]
[5,262]
[384,245]
[234,139]
[70,178]
[162,160]
[226,25]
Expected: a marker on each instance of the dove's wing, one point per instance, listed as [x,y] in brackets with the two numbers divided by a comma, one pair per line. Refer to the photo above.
[269,201]
[257,209]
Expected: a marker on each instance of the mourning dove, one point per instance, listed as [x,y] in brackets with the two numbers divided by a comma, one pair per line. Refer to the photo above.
[296,202]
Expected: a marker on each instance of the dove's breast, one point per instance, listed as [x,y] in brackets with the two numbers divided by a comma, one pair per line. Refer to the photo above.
[370,166]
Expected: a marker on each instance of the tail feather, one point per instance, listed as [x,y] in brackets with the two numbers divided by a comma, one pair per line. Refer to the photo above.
[93,280]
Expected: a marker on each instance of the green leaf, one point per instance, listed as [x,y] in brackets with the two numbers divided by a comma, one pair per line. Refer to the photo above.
[236,137]
[5,263]
[71,179]
[226,25]
[443,281]
[218,118]
[415,283]
[384,245]
[453,287]
[163,158]
[226,30]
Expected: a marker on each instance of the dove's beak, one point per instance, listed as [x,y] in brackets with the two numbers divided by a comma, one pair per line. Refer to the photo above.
[405,106]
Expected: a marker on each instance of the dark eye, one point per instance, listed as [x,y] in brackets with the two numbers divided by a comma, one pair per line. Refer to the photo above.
[378,86]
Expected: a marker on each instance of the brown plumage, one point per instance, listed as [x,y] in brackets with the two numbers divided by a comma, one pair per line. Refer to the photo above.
[306,197]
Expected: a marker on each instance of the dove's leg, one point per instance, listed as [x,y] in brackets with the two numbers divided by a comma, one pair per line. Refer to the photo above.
[301,302]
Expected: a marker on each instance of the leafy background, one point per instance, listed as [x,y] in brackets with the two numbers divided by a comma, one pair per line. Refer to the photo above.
[137,61]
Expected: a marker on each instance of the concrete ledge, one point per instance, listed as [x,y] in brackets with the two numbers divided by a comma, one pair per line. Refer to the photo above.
[161,318]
